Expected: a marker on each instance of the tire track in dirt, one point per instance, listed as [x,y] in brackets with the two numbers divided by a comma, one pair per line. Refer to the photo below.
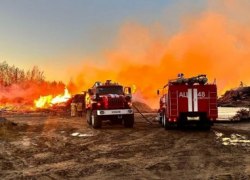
[115,152]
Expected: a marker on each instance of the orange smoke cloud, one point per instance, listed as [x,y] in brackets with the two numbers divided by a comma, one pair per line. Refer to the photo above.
[215,43]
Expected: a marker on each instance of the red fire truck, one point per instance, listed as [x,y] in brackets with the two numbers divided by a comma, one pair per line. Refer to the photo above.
[109,101]
[188,100]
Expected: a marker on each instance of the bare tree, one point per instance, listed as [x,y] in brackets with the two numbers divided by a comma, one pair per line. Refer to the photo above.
[13,75]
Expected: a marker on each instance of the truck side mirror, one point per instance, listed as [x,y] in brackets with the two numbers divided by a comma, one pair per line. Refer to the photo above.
[127,90]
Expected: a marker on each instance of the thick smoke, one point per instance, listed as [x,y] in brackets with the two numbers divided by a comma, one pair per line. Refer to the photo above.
[215,42]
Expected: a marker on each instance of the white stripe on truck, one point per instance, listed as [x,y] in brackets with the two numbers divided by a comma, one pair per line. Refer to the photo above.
[195,100]
[190,99]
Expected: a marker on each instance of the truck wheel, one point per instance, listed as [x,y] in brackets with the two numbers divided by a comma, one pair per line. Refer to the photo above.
[169,126]
[129,121]
[160,118]
[166,124]
[205,123]
[88,116]
[205,126]
[95,120]
[163,120]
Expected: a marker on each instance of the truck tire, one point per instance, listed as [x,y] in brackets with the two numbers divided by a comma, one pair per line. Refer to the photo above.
[160,118]
[205,123]
[129,121]
[88,116]
[205,126]
[95,120]
[167,125]
[163,120]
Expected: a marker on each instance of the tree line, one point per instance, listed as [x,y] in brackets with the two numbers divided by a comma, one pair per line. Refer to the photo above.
[10,75]
[13,75]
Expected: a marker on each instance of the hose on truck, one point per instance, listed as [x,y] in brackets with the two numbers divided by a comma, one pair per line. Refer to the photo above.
[144,117]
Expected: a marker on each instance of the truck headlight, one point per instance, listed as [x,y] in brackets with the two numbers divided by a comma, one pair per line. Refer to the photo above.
[129,104]
[130,111]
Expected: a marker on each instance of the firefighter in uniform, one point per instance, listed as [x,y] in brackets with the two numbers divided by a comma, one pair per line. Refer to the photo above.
[79,109]
[73,109]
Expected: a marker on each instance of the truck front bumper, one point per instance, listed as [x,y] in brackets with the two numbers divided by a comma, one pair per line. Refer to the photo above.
[114,112]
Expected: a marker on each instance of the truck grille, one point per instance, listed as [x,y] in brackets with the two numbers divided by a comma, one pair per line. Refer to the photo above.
[115,103]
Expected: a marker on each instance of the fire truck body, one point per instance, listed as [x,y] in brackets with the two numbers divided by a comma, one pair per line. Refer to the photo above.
[109,101]
[188,103]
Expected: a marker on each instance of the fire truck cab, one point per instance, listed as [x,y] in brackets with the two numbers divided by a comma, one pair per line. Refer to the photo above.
[188,100]
[109,101]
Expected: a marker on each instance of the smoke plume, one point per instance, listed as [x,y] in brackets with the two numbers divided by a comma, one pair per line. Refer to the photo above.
[215,42]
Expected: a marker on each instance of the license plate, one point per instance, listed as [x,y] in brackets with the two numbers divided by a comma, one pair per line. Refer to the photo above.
[193,118]
[116,112]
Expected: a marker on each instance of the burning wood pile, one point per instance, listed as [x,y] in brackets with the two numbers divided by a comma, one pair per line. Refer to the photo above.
[142,107]
[20,91]
[50,101]
[52,105]
[57,105]
[239,97]
[241,115]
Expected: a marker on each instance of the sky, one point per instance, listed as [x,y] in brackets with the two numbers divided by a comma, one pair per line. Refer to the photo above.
[59,35]
[134,42]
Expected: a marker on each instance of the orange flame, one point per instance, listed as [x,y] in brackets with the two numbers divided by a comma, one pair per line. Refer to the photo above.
[47,101]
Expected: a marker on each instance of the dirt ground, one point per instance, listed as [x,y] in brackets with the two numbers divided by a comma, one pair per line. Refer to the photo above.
[41,147]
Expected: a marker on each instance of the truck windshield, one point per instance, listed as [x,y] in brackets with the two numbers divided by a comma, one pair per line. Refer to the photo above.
[109,90]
